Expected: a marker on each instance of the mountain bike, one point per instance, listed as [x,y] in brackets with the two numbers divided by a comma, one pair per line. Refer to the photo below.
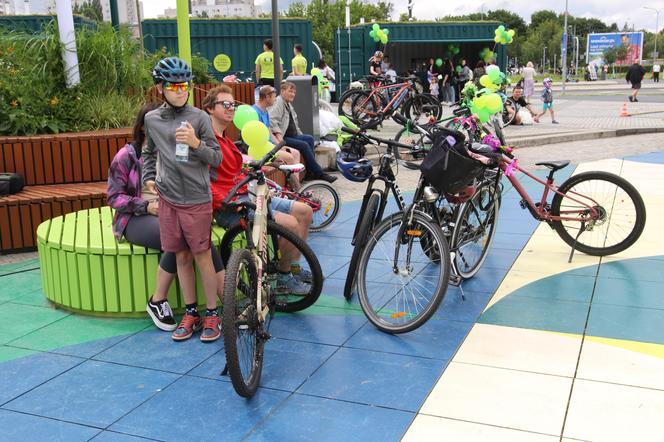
[370,107]
[375,198]
[251,293]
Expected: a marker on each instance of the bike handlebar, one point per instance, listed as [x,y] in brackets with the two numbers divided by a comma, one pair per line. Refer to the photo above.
[255,165]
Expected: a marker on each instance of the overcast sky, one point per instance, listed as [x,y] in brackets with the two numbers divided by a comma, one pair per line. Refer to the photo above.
[618,11]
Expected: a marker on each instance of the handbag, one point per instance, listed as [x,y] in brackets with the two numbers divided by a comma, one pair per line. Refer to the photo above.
[11,183]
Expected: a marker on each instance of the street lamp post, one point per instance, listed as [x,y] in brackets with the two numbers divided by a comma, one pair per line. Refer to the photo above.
[657,11]
[564,49]
[544,59]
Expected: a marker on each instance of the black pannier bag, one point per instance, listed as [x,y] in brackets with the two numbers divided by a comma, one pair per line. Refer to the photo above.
[448,166]
[11,183]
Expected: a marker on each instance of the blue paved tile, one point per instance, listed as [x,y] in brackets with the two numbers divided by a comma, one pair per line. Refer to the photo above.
[335,247]
[94,393]
[630,323]
[486,280]
[438,338]
[513,241]
[639,269]
[524,225]
[285,366]
[330,263]
[652,158]
[333,293]
[500,258]
[333,327]
[29,370]
[631,293]
[110,436]
[155,349]
[538,314]
[458,309]
[306,418]
[373,378]
[199,409]
[26,428]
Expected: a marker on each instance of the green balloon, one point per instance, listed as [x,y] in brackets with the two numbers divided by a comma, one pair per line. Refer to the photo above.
[244,114]
[458,69]
[483,115]
[494,75]
[386,31]
[439,62]
[375,26]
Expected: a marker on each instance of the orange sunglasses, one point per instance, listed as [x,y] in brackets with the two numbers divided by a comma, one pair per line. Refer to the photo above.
[173,87]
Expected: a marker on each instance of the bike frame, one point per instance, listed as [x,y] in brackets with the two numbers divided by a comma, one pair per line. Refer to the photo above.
[259,231]
[397,98]
[287,193]
[539,210]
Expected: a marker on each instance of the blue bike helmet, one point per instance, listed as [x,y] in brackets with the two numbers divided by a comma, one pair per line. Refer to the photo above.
[173,70]
[354,168]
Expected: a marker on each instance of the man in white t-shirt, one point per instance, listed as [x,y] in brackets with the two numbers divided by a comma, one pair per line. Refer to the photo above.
[655,72]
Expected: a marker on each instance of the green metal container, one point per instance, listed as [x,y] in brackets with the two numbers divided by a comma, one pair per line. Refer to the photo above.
[412,44]
[241,40]
[35,23]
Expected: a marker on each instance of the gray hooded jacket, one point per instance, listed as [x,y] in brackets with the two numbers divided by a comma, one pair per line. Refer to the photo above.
[187,182]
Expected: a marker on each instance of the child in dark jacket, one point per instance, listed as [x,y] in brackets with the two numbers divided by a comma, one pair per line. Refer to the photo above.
[547,98]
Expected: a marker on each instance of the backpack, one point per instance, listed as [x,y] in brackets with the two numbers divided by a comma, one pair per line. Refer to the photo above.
[11,183]
[448,166]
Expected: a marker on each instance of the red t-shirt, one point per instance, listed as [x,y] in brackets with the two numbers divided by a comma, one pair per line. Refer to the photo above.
[229,171]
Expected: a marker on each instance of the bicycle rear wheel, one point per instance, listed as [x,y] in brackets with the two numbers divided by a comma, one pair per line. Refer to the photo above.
[474,231]
[367,109]
[367,223]
[325,203]
[421,106]
[244,336]
[414,285]
[346,102]
[622,213]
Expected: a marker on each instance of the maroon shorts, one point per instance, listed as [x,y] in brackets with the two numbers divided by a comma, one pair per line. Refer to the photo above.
[185,227]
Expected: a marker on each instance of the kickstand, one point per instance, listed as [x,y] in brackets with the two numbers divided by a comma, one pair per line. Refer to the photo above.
[581,230]
[224,372]
[463,295]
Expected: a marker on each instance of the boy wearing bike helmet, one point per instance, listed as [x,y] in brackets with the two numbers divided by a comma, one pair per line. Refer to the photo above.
[547,98]
[181,148]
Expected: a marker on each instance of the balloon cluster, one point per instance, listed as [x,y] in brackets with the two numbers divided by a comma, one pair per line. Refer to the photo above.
[487,55]
[254,133]
[453,49]
[378,34]
[488,102]
[503,36]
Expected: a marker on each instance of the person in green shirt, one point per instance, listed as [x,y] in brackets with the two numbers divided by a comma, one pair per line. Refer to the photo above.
[265,65]
[299,63]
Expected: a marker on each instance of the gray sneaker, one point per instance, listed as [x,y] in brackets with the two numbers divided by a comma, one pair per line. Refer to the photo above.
[288,284]
[303,275]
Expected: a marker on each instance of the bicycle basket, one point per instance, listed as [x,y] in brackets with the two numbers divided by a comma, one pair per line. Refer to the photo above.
[448,166]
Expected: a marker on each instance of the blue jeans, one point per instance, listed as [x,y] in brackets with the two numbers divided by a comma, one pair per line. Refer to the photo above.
[305,145]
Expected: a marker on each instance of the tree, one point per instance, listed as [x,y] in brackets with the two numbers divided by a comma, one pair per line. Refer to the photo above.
[90,9]
[549,34]
[512,20]
[539,17]
[610,56]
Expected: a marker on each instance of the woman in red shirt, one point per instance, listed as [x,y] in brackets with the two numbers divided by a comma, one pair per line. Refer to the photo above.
[293,215]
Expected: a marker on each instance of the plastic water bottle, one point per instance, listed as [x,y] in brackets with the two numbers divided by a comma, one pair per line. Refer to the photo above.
[182,149]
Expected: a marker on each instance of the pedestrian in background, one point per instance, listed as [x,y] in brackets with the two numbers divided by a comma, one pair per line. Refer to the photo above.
[547,98]
[528,80]
[655,72]
[635,75]
[299,63]
[265,65]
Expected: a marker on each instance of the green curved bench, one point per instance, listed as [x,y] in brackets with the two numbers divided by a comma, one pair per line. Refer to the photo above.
[84,268]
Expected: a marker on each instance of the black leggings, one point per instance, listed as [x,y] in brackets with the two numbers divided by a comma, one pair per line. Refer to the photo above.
[143,230]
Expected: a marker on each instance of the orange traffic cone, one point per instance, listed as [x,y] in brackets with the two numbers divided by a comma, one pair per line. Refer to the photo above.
[624,112]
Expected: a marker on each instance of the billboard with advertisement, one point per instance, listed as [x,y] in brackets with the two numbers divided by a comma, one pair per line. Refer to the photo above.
[598,43]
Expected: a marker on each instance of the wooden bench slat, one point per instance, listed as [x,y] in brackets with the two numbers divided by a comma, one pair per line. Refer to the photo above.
[95,244]
[68,241]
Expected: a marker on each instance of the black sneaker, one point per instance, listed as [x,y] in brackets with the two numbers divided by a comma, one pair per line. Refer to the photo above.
[327,177]
[631,99]
[161,315]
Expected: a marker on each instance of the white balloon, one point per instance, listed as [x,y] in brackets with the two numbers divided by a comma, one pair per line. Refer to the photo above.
[492,67]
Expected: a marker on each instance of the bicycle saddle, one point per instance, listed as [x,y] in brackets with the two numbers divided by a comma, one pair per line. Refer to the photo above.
[295,168]
[554,165]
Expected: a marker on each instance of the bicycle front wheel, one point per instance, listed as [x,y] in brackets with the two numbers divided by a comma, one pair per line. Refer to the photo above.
[244,337]
[283,246]
[474,231]
[366,108]
[346,102]
[622,213]
[413,284]
[324,201]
